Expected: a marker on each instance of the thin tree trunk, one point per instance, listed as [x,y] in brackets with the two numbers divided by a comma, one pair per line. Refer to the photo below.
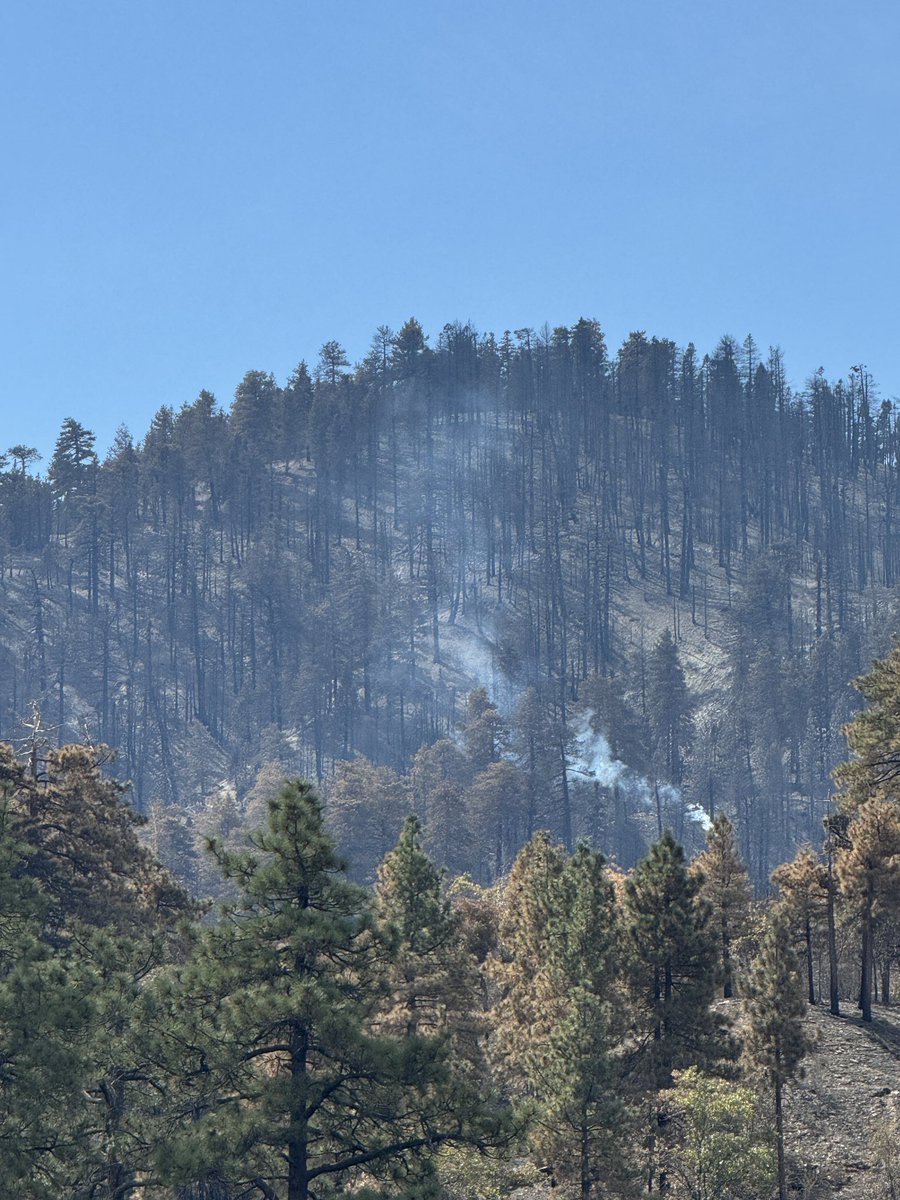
[779,1138]
[832,947]
[865,988]
[585,1160]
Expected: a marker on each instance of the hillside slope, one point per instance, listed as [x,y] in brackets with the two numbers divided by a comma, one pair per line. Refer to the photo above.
[326,569]
[845,1101]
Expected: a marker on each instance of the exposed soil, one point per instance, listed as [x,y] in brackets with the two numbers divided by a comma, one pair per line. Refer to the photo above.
[851,1082]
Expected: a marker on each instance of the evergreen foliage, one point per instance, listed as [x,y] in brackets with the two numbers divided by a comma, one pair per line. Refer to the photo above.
[873,737]
[432,976]
[557,1023]
[673,954]
[527,1009]
[319,570]
[282,1083]
[868,873]
[802,885]
[726,889]
[775,1042]
[46,1016]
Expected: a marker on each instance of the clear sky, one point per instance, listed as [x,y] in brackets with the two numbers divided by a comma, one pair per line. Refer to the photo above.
[194,188]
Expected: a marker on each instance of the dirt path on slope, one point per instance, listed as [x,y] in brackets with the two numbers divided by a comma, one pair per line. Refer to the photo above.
[851,1080]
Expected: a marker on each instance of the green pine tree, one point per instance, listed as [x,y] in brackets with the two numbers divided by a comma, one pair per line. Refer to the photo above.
[282,1084]
[873,737]
[672,968]
[775,1042]
[582,1123]
[673,963]
[432,976]
[47,1012]
[726,889]
[556,1022]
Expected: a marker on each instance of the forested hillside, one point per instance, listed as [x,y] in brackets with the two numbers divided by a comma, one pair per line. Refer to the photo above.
[509,584]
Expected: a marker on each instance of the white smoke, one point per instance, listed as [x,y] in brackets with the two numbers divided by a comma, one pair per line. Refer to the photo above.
[473,654]
[592,760]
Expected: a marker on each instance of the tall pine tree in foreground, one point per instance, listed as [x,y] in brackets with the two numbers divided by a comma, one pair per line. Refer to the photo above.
[558,1021]
[672,969]
[726,889]
[582,1122]
[673,963]
[46,1018]
[775,1042]
[868,871]
[285,1091]
[527,1009]
[432,977]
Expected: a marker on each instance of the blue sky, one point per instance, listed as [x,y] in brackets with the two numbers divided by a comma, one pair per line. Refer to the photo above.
[193,189]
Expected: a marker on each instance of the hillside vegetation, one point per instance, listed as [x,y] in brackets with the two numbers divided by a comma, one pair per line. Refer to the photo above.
[673,557]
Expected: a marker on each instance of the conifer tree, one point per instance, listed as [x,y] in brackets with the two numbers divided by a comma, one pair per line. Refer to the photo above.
[873,736]
[84,848]
[104,914]
[673,954]
[483,730]
[557,1021]
[284,1090]
[670,710]
[582,1121]
[432,977]
[46,1021]
[775,1042]
[802,884]
[726,889]
[526,1011]
[672,970]
[869,874]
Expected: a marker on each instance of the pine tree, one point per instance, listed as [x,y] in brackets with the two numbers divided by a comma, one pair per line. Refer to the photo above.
[615,717]
[873,736]
[582,1121]
[670,710]
[673,955]
[775,1042]
[802,884]
[84,848]
[74,461]
[282,1085]
[556,1022]
[494,804]
[526,1011]
[46,1019]
[483,730]
[726,889]
[432,977]
[868,874]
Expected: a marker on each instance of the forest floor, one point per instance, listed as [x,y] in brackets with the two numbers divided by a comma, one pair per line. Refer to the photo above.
[834,1114]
